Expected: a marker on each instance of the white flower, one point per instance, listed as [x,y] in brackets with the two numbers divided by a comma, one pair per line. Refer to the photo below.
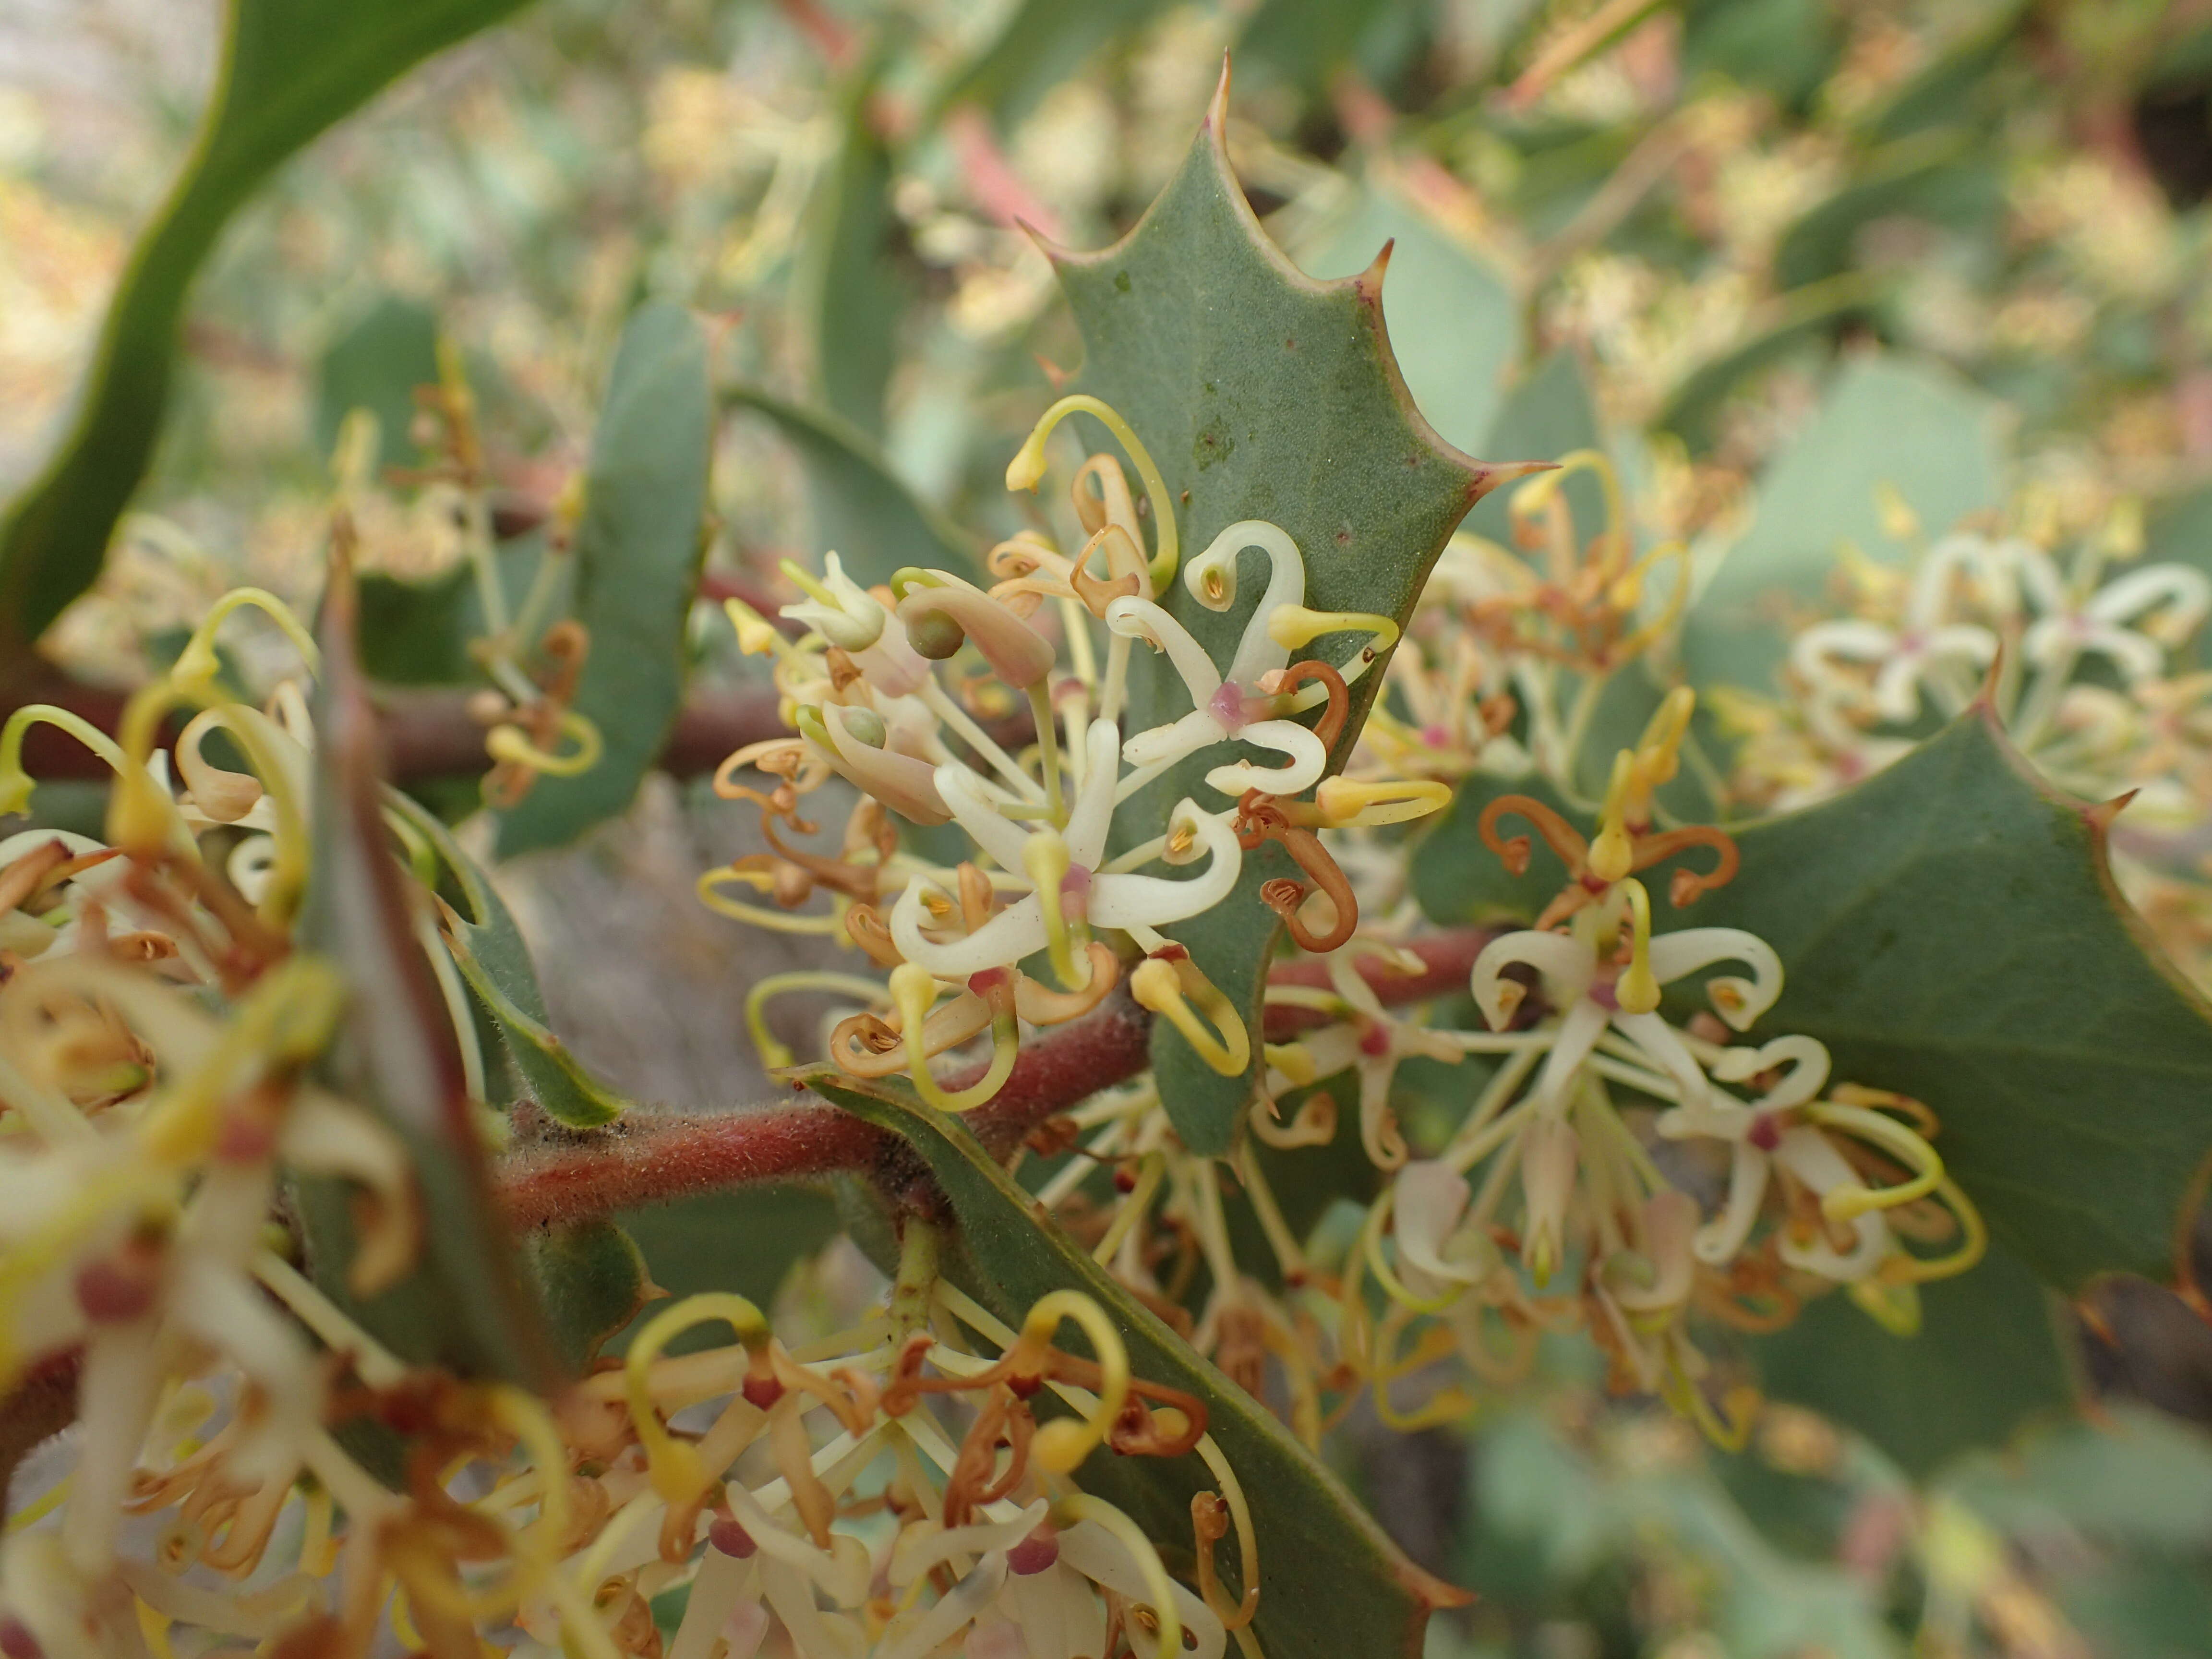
[1924,650]
[2068,627]
[1078,893]
[1586,992]
[1218,703]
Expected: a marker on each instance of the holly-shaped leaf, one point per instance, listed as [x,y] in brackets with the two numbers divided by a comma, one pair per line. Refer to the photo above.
[1331,1582]
[1950,929]
[1260,394]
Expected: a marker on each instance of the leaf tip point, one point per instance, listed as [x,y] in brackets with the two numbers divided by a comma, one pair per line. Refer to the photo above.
[1217,107]
[1489,475]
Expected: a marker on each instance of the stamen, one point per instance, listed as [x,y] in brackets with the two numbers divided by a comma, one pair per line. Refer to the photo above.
[1162,985]
[1027,469]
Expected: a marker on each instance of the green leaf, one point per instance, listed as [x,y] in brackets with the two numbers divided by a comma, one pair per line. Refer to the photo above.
[1331,1582]
[1903,178]
[1989,1358]
[1042,44]
[1798,323]
[1548,413]
[376,365]
[1950,930]
[1262,394]
[488,949]
[1454,878]
[2129,1476]
[593,1281]
[1449,314]
[290,69]
[862,511]
[1885,421]
[417,633]
[745,1240]
[637,554]
[466,1304]
[850,293]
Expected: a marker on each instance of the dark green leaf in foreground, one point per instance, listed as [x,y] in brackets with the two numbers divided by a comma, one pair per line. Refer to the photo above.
[593,1279]
[1989,1358]
[637,551]
[488,949]
[861,510]
[1262,394]
[466,1304]
[1331,1582]
[290,69]
[1950,929]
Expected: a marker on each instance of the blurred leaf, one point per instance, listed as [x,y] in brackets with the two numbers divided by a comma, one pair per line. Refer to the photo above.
[466,1304]
[850,292]
[1577,1517]
[1800,320]
[862,511]
[637,553]
[592,1281]
[1787,47]
[1042,44]
[1950,930]
[418,633]
[1453,322]
[1885,421]
[1369,1599]
[290,69]
[1307,42]
[376,365]
[2180,529]
[1548,413]
[1263,395]
[1989,1358]
[488,949]
[2129,1477]
[1911,176]
[746,1240]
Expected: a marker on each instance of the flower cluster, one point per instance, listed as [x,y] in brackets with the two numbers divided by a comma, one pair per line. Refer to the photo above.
[2083,665]
[999,712]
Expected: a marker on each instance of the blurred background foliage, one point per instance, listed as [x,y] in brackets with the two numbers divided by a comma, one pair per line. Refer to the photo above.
[1805,270]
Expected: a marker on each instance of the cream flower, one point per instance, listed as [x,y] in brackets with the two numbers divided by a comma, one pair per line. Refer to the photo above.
[1223,706]
[1592,994]
[1062,869]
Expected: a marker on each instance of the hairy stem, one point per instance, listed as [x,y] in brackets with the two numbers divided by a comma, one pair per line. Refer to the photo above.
[663,1158]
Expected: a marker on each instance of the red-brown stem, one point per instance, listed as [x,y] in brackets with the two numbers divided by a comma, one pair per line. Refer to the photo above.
[651,1161]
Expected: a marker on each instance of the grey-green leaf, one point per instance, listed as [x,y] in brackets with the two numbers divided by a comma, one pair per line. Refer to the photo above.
[862,511]
[637,550]
[466,1304]
[1950,929]
[488,948]
[1885,422]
